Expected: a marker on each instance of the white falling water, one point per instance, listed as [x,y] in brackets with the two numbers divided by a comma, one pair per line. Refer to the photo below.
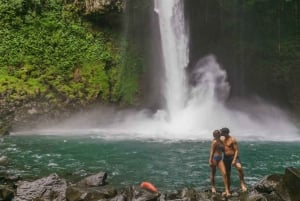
[175,53]
[192,111]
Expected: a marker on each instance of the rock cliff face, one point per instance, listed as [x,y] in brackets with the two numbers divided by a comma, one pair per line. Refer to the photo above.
[104,5]
[91,7]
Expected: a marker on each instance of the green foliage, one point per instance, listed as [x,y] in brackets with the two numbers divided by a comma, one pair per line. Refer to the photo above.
[127,85]
[46,50]
[15,89]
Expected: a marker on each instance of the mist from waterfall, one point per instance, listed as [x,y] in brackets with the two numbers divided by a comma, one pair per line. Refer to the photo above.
[195,103]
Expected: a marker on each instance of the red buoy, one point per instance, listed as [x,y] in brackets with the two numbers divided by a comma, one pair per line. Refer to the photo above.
[149,186]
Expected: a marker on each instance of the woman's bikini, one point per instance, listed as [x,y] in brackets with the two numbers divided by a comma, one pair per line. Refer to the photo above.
[219,149]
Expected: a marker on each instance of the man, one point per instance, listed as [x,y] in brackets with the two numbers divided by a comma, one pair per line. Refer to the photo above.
[231,157]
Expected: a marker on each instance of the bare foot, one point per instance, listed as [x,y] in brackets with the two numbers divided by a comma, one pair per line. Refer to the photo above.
[244,188]
[213,189]
[226,194]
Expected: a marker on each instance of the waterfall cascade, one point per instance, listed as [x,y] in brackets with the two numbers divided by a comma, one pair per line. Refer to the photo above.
[195,105]
[175,53]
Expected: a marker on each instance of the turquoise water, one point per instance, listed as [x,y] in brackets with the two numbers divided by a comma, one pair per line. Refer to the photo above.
[169,165]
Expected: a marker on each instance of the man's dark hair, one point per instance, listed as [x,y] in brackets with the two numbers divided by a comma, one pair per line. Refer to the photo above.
[225,130]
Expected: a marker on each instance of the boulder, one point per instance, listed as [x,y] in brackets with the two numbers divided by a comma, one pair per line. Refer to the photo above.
[99,7]
[257,197]
[119,197]
[3,160]
[103,6]
[91,188]
[6,192]
[98,179]
[278,187]
[136,193]
[75,193]
[51,188]
[289,188]
[269,183]
[4,130]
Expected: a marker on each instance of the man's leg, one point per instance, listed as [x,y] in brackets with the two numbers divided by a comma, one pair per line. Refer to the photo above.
[239,167]
[227,162]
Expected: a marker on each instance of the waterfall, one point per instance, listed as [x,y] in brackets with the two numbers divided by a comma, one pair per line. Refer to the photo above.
[197,107]
[187,107]
[195,103]
[175,53]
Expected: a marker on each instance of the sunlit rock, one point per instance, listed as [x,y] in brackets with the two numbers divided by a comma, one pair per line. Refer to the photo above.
[47,189]
[94,180]
[91,7]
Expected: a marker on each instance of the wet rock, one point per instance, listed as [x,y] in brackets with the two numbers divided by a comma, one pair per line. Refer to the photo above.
[289,188]
[257,197]
[6,117]
[9,180]
[273,196]
[103,6]
[119,198]
[3,160]
[190,194]
[51,188]
[91,188]
[280,187]
[136,193]
[6,193]
[75,193]
[269,183]
[4,130]
[98,179]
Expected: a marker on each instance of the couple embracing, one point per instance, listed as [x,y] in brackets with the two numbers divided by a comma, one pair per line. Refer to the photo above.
[224,154]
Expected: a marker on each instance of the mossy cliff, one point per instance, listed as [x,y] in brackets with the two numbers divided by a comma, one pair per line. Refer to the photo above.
[54,59]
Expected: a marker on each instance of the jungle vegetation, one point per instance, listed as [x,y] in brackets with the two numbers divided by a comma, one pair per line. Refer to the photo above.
[49,51]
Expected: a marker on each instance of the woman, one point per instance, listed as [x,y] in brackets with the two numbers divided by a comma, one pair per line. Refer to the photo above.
[215,160]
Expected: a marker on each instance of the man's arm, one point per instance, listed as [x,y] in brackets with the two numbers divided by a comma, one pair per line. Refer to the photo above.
[236,150]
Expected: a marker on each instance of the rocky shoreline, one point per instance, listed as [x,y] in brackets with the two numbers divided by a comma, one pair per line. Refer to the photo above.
[275,187]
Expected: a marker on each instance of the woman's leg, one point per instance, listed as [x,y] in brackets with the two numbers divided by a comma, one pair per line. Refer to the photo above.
[222,168]
[212,178]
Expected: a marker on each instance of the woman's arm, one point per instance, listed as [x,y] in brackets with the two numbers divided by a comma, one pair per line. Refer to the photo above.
[212,151]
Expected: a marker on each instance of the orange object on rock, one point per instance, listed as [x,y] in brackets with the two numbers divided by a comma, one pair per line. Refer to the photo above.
[149,186]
